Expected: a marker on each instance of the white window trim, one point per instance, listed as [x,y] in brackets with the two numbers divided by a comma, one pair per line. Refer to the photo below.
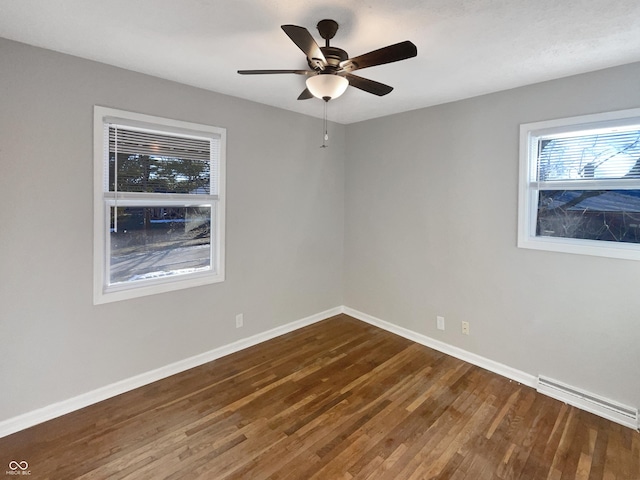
[102,294]
[528,189]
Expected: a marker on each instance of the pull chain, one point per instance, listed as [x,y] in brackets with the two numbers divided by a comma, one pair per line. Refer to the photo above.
[325,126]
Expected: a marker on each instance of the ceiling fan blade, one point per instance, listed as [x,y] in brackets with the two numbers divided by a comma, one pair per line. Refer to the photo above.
[269,72]
[392,53]
[367,85]
[305,42]
[305,95]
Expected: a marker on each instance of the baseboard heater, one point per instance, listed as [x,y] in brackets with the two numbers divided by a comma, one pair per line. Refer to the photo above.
[595,404]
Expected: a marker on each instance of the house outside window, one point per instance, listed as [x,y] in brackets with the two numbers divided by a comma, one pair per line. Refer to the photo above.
[579,186]
[158,204]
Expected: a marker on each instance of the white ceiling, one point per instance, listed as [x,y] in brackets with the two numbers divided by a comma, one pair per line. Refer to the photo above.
[465,47]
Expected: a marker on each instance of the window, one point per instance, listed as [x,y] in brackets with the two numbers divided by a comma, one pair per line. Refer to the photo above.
[580,185]
[158,204]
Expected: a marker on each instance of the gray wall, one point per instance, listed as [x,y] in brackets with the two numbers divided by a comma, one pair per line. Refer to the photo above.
[431,223]
[285,204]
[419,209]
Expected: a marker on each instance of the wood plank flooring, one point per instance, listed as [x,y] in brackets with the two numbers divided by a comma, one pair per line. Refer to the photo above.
[339,399]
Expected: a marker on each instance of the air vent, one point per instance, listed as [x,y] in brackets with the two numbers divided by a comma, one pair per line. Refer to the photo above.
[595,404]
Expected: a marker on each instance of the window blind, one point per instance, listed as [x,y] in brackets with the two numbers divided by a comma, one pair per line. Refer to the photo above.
[591,156]
[137,142]
[147,161]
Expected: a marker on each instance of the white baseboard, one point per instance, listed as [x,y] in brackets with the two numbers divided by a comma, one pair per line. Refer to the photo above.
[29,419]
[499,368]
[496,367]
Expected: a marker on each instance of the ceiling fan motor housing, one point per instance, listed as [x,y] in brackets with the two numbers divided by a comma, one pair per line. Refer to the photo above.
[334,56]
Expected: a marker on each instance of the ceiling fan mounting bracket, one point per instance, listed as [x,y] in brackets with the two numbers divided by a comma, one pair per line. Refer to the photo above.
[327,29]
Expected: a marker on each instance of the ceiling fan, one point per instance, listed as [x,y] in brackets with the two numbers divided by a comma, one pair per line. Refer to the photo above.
[331,67]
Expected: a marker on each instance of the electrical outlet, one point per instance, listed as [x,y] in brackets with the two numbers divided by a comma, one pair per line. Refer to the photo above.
[239,320]
[440,322]
[465,328]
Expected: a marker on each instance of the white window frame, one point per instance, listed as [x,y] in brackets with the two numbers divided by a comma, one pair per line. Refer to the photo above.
[529,187]
[103,200]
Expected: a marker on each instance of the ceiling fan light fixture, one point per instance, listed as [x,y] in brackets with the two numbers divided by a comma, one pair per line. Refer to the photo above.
[327,86]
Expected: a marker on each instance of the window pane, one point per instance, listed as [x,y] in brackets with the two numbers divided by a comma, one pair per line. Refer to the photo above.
[152,242]
[614,154]
[147,173]
[158,163]
[607,215]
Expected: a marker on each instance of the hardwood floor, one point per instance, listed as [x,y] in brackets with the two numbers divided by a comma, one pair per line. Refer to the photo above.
[339,399]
